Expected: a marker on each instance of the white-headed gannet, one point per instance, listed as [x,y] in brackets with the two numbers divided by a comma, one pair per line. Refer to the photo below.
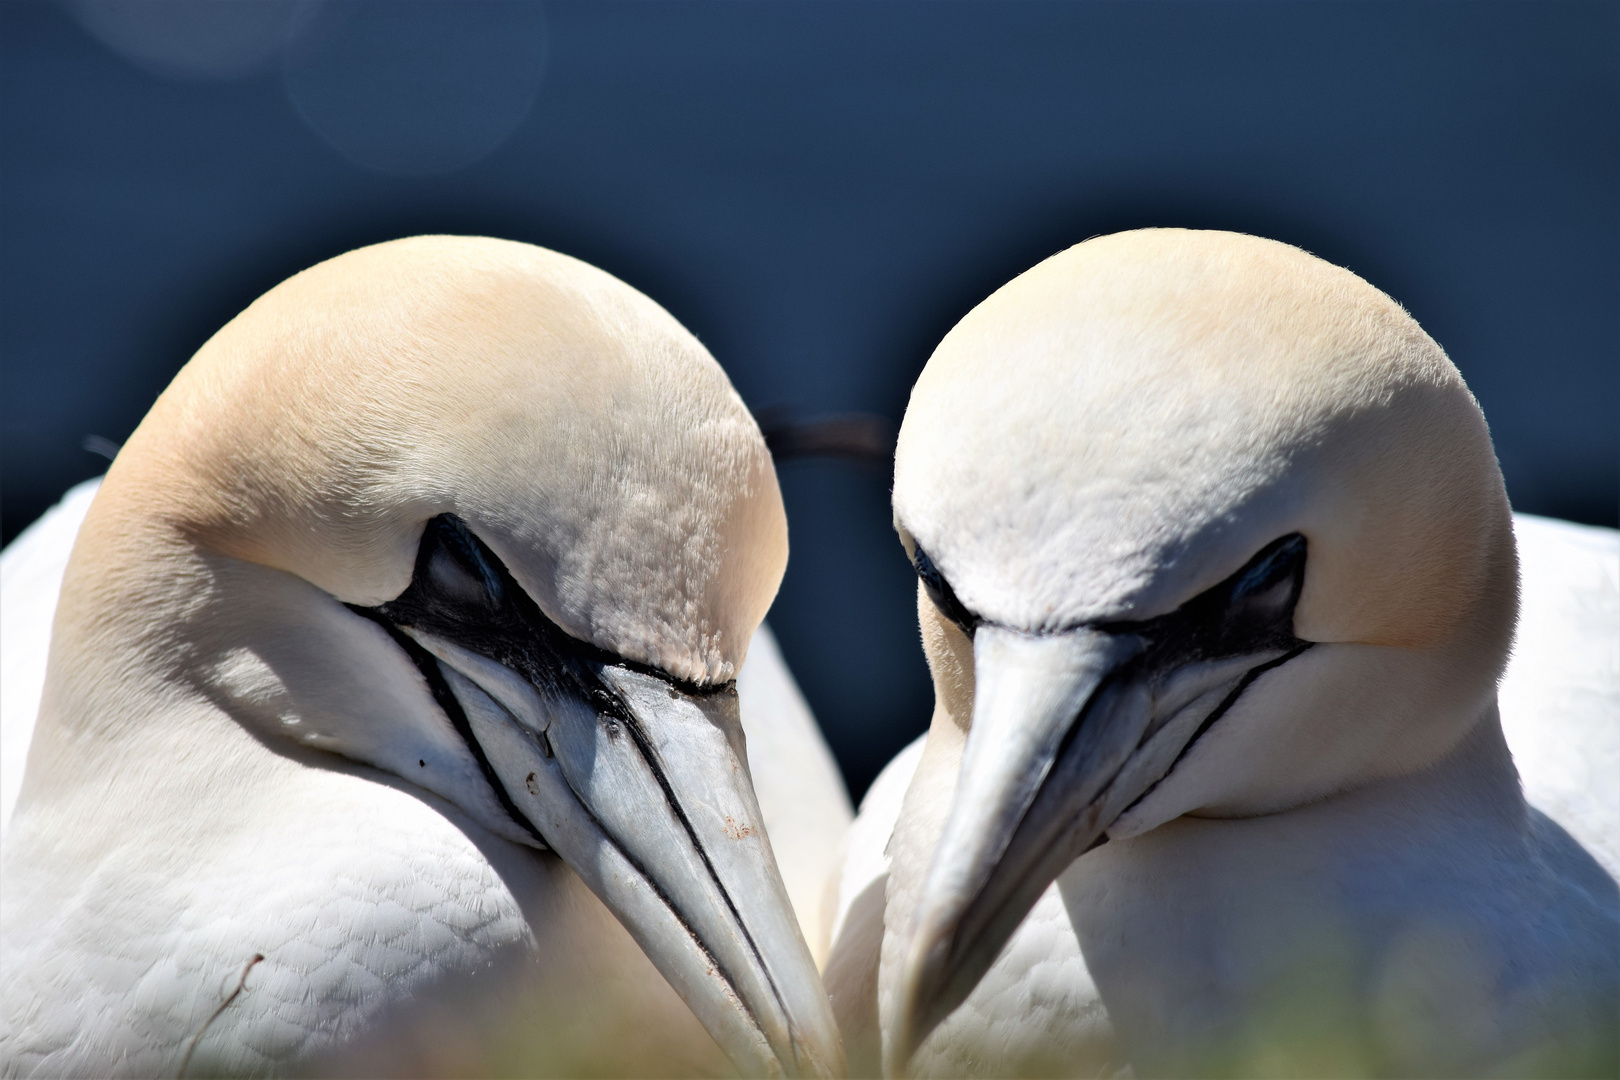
[1217,567]
[442,554]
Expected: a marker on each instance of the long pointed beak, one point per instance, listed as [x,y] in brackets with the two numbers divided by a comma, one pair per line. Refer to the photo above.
[646,794]
[1068,731]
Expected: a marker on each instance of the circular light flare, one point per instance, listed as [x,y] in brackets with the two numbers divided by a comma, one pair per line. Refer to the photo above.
[419,88]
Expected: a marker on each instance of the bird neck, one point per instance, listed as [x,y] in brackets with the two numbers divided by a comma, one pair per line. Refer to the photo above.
[1209,935]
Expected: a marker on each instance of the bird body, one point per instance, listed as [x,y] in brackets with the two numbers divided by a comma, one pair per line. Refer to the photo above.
[1560,695]
[387,723]
[1215,566]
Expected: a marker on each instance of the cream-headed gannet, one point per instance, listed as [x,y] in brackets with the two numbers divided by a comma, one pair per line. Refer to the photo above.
[1217,579]
[802,800]
[396,651]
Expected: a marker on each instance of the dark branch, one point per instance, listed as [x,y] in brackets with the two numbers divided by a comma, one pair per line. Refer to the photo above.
[851,436]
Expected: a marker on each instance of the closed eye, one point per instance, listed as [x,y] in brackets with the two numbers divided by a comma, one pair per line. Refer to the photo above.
[940,592]
[457,567]
[1264,592]
[1250,611]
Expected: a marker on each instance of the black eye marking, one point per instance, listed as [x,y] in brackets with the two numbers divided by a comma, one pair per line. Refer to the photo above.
[1264,592]
[463,592]
[1250,611]
[940,592]
[458,565]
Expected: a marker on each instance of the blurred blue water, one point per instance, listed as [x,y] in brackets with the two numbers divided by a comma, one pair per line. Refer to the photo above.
[819,190]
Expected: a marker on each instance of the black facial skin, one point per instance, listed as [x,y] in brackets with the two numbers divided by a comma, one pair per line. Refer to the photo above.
[1251,611]
[940,592]
[461,592]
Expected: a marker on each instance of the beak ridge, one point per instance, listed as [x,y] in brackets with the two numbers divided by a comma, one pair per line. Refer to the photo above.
[653,807]
[1030,693]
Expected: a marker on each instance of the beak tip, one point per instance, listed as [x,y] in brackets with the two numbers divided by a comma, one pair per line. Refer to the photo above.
[913,1017]
[924,991]
[825,1066]
[817,1047]
[898,1051]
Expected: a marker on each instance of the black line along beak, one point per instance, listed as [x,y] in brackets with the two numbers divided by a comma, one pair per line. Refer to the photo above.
[1069,730]
[639,782]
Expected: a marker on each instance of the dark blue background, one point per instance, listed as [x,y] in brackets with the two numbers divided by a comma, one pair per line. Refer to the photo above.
[819,190]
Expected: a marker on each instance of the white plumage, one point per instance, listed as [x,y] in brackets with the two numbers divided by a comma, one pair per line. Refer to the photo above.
[1560,696]
[1037,1010]
[30,578]
[442,551]
[1216,565]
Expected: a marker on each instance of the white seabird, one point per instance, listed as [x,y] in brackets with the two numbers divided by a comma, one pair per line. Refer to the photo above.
[443,553]
[801,795]
[1216,565]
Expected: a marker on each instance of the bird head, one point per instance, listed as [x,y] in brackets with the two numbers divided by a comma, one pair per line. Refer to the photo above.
[1202,525]
[488,519]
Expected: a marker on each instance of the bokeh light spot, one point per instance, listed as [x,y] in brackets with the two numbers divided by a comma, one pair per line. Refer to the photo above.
[430,93]
[192,39]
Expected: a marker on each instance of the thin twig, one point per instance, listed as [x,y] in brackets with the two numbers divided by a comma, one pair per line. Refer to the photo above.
[862,437]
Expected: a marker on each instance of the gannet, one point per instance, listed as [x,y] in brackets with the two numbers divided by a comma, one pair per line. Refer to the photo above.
[802,800]
[394,654]
[1216,581]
